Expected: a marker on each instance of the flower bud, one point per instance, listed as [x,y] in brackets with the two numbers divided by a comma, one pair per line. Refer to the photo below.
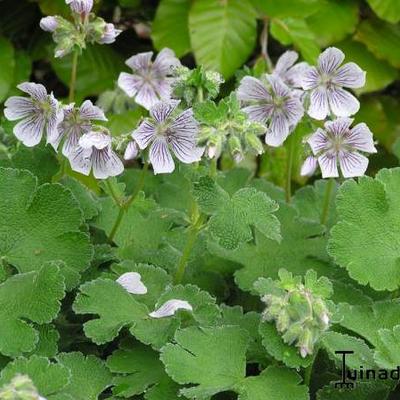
[254,143]
[49,24]
[235,148]
[109,34]
[82,7]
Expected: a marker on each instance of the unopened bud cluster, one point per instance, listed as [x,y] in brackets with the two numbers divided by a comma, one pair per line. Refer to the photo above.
[301,311]
[20,388]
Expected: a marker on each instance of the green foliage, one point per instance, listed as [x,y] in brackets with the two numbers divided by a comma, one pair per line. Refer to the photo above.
[7,61]
[386,9]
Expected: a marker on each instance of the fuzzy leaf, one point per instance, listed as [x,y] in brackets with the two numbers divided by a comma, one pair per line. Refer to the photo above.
[387,352]
[212,358]
[40,224]
[366,240]
[33,296]
[362,391]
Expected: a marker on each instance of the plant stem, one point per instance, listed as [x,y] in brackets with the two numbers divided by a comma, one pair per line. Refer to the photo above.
[200,94]
[124,205]
[72,83]
[213,167]
[327,201]
[289,168]
[264,45]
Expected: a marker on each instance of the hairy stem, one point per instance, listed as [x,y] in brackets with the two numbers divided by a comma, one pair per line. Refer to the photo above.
[72,83]
[264,44]
[289,168]
[327,201]
[124,205]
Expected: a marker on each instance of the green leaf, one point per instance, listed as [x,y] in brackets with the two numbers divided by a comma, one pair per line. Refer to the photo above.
[98,69]
[40,224]
[274,383]
[277,348]
[362,391]
[22,72]
[89,375]
[302,248]
[222,33]
[170,26]
[200,357]
[49,378]
[138,370]
[233,218]
[47,345]
[7,62]
[379,73]
[388,10]
[296,32]
[34,296]
[367,320]
[387,352]
[287,8]
[333,21]
[366,240]
[54,7]
[123,123]
[381,39]
[123,310]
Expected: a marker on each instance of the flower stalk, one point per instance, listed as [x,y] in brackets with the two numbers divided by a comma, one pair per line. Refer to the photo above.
[289,168]
[327,201]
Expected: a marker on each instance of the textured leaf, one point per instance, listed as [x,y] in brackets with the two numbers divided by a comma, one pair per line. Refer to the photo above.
[200,357]
[33,296]
[387,352]
[381,39]
[366,240]
[362,391]
[49,378]
[386,9]
[40,224]
[89,375]
[138,370]
[47,345]
[222,33]
[170,26]
[232,218]
[274,383]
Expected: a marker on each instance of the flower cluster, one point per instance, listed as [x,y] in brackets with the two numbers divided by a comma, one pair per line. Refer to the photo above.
[301,311]
[20,387]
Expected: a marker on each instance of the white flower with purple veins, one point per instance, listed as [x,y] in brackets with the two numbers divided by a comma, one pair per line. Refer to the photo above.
[339,143]
[271,103]
[326,82]
[94,151]
[80,6]
[110,34]
[150,81]
[165,132]
[77,122]
[288,71]
[38,114]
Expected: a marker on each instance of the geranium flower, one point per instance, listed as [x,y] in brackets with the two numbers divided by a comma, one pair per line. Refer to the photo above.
[94,152]
[165,133]
[150,80]
[169,308]
[338,143]
[80,6]
[271,103]
[41,112]
[326,82]
[76,122]
[286,69]
[110,34]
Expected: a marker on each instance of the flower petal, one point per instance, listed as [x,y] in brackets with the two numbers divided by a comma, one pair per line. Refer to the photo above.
[165,62]
[115,165]
[330,60]
[278,130]
[318,141]
[160,156]
[35,90]
[131,151]
[252,89]
[309,166]
[185,149]
[169,308]
[295,75]
[162,110]
[285,61]
[90,111]
[80,160]
[350,75]
[17,107]
[293,110]
[185,124]
[49,24]
[361,138]
[278,86]
[145,133]
[132,283]
[129,83]
[30,130]
[342,103]
[259,113]
[71,142]
[95,139]
[140,62]
[310,78]
[147,96]
[319,106]
[339,126]
[328,164]
[352,164]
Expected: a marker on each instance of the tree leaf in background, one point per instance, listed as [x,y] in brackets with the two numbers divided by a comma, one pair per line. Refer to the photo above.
[223,34]
[54,7]
[129,3]
[382,39]
[379,73]
[170,26]
[333,21]
[7,62]
[22,72]
[287,8]
[296,32]
[98,69]
[388,10]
